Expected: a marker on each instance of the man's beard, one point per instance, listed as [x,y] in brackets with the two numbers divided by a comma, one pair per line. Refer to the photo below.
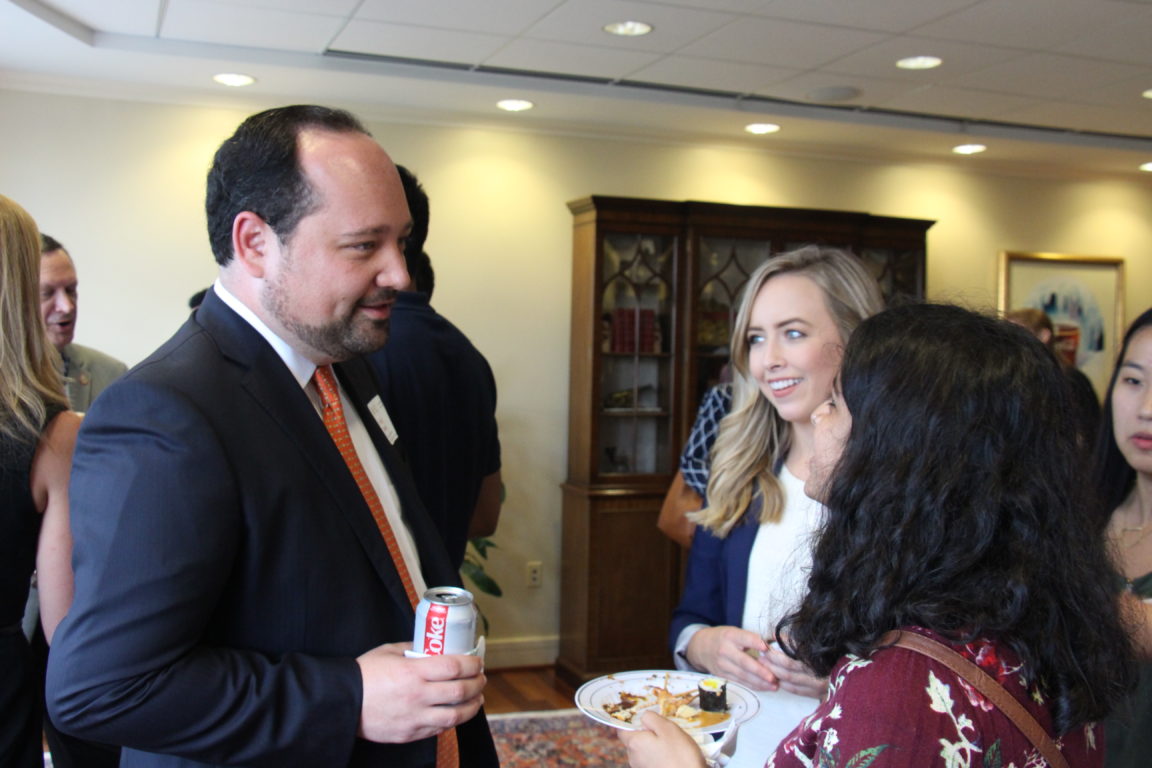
[340,339]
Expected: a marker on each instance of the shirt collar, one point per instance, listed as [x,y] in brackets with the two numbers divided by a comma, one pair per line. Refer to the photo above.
[301,367]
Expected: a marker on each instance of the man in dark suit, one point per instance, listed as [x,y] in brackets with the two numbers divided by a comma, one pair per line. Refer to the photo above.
[440,392]
[244,585]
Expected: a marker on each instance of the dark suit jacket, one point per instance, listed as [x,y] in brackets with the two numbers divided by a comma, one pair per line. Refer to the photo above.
[441,395]
[716,578]
[228,571]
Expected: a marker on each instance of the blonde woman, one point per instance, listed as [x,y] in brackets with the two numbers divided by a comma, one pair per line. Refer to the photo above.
[750,555]
[37,434]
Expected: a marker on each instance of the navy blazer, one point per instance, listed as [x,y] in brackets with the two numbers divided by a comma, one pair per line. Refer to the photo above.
[716,578]
[228,571]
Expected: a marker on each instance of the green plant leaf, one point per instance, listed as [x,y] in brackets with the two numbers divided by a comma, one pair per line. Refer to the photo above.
[482,545]
[482,580]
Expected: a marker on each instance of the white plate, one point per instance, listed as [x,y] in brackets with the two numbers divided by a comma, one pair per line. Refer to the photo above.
[594,695]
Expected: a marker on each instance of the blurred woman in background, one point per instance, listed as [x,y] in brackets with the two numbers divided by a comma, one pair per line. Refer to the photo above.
[37,434]
[1123,480]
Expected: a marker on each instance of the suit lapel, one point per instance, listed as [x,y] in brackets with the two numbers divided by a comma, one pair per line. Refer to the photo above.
[273,388]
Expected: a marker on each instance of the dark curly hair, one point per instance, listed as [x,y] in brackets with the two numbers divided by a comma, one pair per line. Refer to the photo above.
[956,505]
[1112,475]
[257,170]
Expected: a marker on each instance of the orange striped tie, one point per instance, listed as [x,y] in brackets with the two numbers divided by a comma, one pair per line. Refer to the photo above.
[447,750]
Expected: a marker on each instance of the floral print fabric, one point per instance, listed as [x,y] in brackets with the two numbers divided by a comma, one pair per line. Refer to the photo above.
[900,709]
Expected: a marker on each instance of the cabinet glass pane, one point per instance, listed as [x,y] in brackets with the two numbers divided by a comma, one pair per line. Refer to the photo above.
[637,295]
[723,269]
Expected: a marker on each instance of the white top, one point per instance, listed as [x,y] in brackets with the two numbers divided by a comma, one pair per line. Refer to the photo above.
[777,580]
[302,370]
[781,559]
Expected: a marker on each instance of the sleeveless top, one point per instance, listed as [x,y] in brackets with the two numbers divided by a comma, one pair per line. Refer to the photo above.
[19,524]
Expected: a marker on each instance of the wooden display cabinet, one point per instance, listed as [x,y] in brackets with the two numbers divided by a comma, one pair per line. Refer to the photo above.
[655,285]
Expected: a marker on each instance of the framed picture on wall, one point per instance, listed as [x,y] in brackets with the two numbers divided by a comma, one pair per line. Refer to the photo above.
[1084,297]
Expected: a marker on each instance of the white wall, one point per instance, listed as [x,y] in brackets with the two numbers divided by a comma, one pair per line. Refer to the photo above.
[121,184]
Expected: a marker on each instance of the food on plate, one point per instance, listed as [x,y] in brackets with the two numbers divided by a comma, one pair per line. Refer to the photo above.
[670,703]
[627,707]
[677,707]
[713,693]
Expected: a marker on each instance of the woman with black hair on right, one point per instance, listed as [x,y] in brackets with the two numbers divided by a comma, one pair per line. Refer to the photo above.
[1123,481]
[954,518]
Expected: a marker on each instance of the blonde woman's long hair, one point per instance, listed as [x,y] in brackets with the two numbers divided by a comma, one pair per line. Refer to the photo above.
[753,438]
[29,381]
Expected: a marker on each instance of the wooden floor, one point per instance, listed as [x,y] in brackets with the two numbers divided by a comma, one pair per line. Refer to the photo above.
[526,689]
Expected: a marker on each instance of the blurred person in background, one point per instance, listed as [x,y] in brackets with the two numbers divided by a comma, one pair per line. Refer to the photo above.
[37,435]
[87,372]
[1085,412]
[1123,482]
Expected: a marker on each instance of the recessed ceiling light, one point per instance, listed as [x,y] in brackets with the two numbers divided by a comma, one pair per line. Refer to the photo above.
[1148,94]
[514,105]
[234,79]
[761,128]
[969,149]
[628,28]
[1146,167]
[920,62]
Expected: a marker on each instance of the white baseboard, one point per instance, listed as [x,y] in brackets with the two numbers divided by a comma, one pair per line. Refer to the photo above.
[522,652]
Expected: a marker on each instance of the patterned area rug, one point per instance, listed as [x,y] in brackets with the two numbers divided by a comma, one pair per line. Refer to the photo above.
[561,738]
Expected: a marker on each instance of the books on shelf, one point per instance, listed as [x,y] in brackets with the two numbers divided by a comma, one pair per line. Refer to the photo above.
[635,330]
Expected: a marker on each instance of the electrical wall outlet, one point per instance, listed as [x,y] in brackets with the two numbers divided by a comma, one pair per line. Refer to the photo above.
[533,573]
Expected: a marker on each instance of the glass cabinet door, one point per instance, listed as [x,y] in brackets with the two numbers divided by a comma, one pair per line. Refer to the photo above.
[722,270]
[637,330]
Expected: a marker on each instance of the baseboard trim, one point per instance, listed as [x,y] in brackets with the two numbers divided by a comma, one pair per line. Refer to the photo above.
[522,652]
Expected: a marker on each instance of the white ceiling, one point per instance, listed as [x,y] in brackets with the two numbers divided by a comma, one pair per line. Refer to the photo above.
[1048,85]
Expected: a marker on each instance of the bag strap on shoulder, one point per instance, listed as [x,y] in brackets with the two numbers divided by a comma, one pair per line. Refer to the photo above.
[986,684]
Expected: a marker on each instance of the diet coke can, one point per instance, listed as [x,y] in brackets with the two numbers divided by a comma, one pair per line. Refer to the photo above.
[445,622]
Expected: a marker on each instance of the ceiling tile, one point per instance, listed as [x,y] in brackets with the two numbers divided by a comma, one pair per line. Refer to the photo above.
[733,6]
[956,102]
[231,24]
[1122,94]
[379,39]
[127,17]
[876,15]
[1102,119]
[1047,76]
[582,21]
[317,7]
[1030,25]
[500,17]
[781,43]
[711,74]
[1121,40]
[566,58]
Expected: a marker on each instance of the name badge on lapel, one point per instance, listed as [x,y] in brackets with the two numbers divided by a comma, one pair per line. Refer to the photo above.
[380,413]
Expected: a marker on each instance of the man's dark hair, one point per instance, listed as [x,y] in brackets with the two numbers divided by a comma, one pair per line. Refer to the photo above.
[958,505]
[197,298]
[49,244]
[258,170]
[419,210]
[416,260]
[420,270]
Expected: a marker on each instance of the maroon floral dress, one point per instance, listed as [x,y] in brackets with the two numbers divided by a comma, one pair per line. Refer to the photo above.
[897,708]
